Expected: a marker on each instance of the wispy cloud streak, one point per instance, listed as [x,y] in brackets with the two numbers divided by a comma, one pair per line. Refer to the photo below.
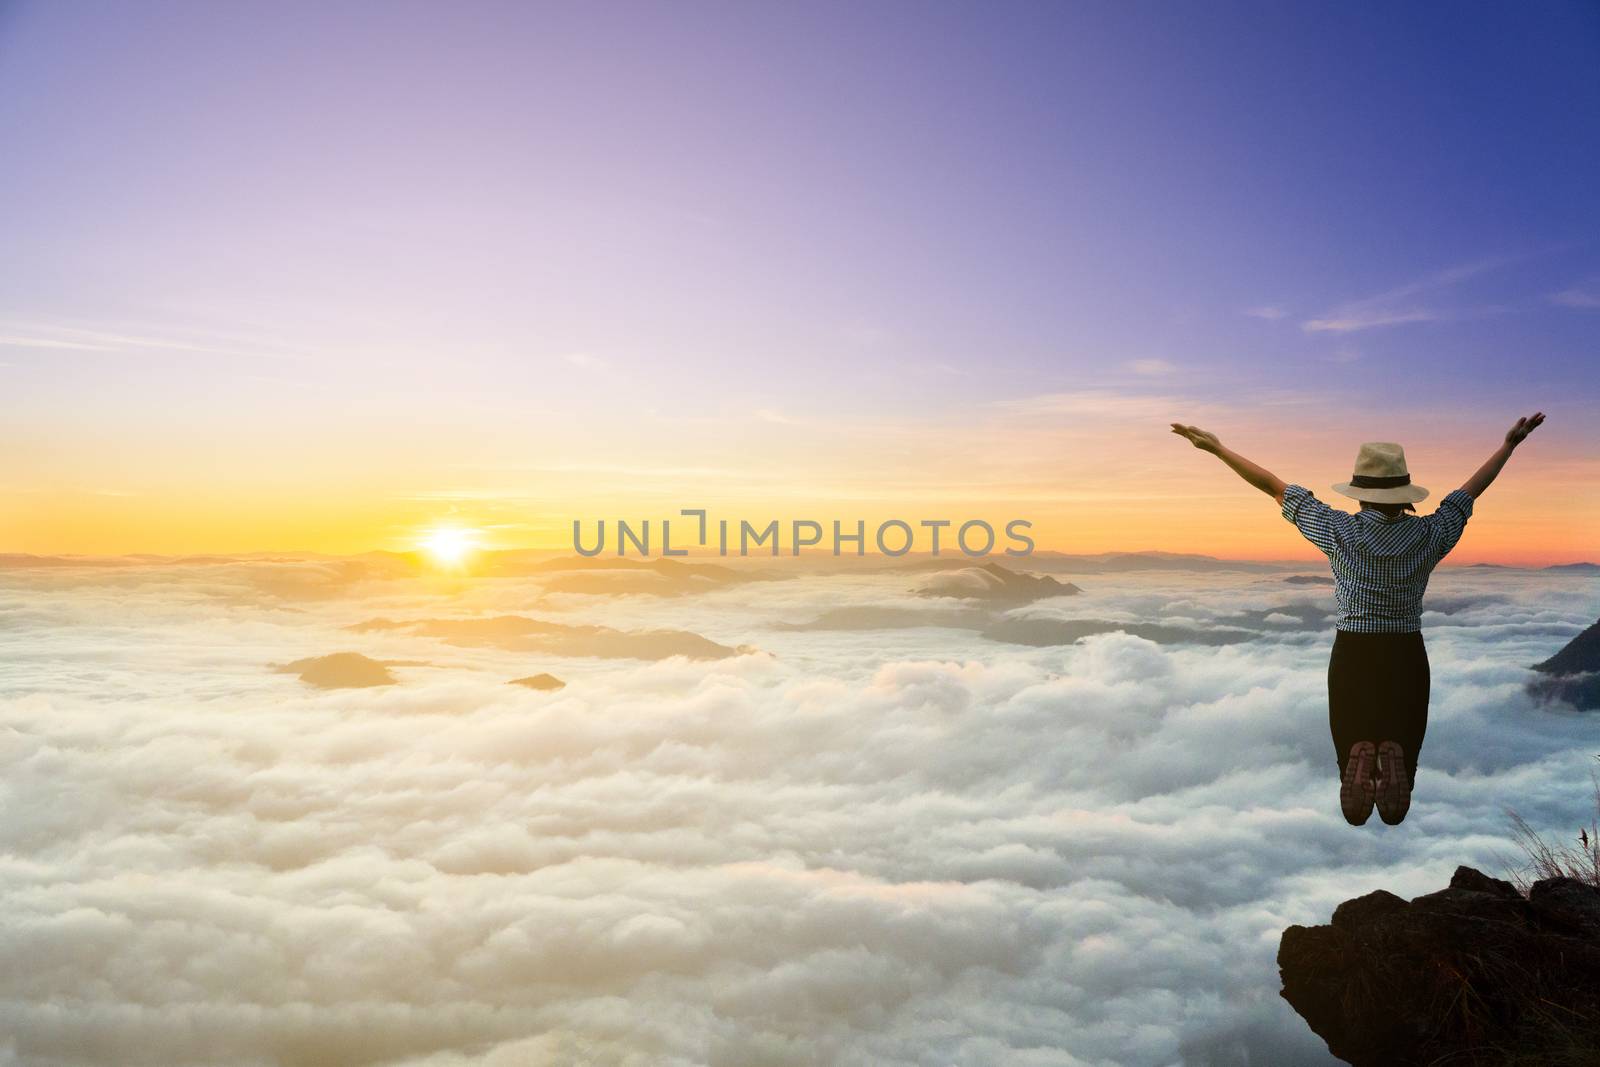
[1409,303]
[1585,295]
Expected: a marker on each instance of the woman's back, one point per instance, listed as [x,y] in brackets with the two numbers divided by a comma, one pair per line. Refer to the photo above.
[1381,563]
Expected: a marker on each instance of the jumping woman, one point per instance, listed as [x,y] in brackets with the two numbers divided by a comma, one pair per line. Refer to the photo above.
[1378,674]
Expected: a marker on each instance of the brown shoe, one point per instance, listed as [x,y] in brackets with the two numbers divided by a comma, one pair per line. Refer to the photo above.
[1356,788]
[1394,783]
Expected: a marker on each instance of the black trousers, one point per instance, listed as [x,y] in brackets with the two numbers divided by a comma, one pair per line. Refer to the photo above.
[1378,691]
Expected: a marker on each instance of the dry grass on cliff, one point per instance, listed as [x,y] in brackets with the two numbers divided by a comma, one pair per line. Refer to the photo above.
[1577,858]
[1555,1036]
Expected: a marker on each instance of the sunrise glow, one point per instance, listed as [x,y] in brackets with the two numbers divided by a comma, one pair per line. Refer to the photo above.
[449,546]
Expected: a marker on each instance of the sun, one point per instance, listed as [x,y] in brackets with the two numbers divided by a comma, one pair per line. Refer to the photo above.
[449,546]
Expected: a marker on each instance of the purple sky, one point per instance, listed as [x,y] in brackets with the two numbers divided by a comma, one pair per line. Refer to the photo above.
[336,223]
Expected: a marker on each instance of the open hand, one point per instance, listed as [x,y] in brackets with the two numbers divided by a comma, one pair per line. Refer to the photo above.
[1526,425]
[1204,440]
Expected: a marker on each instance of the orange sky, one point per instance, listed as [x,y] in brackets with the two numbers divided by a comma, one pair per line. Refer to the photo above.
[1094,471]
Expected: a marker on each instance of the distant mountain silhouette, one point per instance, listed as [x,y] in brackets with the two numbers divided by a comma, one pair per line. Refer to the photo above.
[1308,579]
[1574,672]
[1298,615]
[518,633]
[18,560]
[518,563]
[993,582]
[876,617]
[1044,632]
[660,577]
[546,682]
[1581,654]
[1471,976]
[340,670]
[1112,562]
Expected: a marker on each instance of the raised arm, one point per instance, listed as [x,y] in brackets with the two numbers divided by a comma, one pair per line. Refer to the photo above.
[1491,466]
[1253,473]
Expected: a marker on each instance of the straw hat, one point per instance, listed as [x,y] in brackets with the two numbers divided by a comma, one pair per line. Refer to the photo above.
[1381,476]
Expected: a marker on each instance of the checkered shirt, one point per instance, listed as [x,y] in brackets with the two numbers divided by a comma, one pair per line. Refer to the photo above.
[1380,564]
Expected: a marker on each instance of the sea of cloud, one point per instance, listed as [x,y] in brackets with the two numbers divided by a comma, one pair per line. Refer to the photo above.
[851,846]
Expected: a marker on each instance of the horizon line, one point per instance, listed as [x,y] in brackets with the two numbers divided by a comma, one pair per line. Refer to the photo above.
[955,556]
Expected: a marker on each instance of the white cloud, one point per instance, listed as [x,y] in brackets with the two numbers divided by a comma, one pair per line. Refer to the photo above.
[171,339]
[1408,303]
[1096,404]
[894,847]
[1585,295]
[1352,317]
[1151,368]
[1268,312]
[13,341]
[586,361]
